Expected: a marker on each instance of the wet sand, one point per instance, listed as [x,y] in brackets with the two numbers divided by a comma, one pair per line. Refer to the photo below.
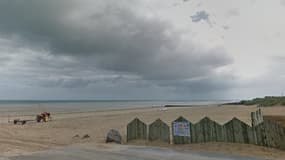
[115,152]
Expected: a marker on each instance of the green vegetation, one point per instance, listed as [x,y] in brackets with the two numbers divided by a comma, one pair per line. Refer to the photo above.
[266,101]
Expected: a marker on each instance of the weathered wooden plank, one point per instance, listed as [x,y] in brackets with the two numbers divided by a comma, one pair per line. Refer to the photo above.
[282,133]
[260,134]
[274,134]
[207,130]
[136,130]
[256,117]
[251,135]
[159,131]
[185,137]
[238,132]
[257,132]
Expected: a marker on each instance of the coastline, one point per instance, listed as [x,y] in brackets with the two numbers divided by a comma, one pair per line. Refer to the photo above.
[60,132]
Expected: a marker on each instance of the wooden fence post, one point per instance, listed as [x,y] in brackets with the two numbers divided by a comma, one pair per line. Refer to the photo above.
[257,129]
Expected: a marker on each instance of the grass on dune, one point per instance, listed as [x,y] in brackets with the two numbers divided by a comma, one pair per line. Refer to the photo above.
[266,101]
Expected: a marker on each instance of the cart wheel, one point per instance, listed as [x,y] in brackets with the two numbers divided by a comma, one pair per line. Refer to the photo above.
[38,118]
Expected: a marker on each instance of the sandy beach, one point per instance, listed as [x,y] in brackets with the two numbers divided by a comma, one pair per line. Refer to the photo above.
[61,131]
[94,66]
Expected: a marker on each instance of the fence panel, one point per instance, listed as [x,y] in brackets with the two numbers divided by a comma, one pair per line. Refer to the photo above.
[136,129]
[274,134]
[181,131]
[159,131]
[207,130]
[239,132]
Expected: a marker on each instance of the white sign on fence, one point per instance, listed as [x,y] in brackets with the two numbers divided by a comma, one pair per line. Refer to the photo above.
[181,129]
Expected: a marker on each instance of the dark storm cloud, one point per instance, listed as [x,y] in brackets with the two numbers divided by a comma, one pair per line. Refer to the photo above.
[65,83]
[108,29]
[111,37]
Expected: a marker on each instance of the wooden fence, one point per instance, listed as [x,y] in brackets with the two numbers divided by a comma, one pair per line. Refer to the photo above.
[263,132]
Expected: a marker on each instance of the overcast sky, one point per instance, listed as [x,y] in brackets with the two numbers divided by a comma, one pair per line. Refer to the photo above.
[142,49]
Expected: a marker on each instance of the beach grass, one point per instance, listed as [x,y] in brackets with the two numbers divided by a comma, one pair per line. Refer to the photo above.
[265,102]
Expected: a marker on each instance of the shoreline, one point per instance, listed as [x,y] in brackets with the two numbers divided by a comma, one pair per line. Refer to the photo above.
[18,111]
[61,130]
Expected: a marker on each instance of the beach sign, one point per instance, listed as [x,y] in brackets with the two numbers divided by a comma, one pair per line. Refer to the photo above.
[181,129]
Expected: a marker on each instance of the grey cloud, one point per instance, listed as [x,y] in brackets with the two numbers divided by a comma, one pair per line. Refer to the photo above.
[226,27]
[200,16]
[113,38]
[4,60]
[270,83]
[199,4]
[233,12]
[282,2]
[205,85]
[97,33]
[277,65]
[65,83]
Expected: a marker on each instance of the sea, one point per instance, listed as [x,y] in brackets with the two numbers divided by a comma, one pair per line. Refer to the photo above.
[104,104]
[25,109]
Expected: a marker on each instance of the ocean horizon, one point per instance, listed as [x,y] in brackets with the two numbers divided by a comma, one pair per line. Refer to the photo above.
[104,104]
